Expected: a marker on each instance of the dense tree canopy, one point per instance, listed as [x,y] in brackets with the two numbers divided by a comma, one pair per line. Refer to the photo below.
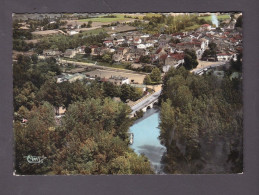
[92,138]
[199,116]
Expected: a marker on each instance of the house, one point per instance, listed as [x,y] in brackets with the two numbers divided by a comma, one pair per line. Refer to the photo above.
[72,32]
[70,53]
[94,50]
[224,57]
[117,57]
[141,46]
[108,43]
[118,80]
[206,27]
[50,52]
[173,60]
[137,41]
[80,49]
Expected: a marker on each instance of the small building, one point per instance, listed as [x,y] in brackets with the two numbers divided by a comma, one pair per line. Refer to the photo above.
[70,53]
[206,27]
[70,77]
[173,60]
[50,52]
[224,57]
[118,80]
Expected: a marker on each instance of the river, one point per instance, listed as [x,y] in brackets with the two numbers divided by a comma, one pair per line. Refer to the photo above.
[146,139]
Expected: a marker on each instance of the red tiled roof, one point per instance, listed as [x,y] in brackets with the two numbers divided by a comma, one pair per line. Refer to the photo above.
[177,56]
[94,46]
[158,51]
[163,57]
[205,25]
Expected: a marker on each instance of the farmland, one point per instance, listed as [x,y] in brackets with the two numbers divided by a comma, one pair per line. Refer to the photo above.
[119,17]
[220,17]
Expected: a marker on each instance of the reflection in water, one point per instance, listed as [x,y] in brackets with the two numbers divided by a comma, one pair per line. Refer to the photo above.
[146,139]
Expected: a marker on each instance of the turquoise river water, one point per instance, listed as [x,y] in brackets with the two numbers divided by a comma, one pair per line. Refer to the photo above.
[146,141]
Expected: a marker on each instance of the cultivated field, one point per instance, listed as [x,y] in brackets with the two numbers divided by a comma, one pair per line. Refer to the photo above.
[45,32]
[138,78]
[119,17]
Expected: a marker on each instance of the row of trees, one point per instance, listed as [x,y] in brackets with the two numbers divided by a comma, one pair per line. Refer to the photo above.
[201,123]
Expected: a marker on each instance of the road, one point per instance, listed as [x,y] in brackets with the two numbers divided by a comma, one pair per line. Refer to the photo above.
[197,70]
[146,102]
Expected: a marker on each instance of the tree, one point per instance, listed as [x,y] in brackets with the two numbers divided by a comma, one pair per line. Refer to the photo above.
[35,138]
[111,90]
[89,24]
[237,65]
[88,51]
[239,22]
[147,80]
[136,93]
[34,58]
[213,46]
[190,59]
[51,93]
[155,75]
[25,96]
[83,25]
[145,59]
[107,58]
[125,92]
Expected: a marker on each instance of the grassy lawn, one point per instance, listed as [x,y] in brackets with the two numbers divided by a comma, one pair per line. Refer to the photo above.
[205,17]
[120,17]
[223,17]
[193,27]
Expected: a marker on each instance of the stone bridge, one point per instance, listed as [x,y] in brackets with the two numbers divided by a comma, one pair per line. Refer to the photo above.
[145,103]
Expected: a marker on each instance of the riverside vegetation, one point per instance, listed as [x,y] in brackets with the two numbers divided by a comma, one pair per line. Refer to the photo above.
[201,123]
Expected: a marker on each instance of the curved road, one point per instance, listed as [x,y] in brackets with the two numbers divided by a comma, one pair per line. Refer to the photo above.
[198,70]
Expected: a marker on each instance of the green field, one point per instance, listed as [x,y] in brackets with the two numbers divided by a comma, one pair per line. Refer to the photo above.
[223,17]
[120,17]
[220,17]
[193,27]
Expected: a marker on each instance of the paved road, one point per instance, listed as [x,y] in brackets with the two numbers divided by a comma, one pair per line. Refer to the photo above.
[197,70]
[145,102]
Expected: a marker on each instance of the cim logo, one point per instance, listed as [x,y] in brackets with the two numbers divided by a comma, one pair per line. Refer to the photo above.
[35,159]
